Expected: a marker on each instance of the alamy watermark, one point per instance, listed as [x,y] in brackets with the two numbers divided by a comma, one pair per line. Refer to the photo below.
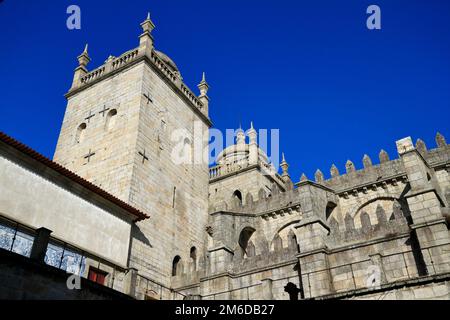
[374,20]
[74,280]
[73,21]
[373,280]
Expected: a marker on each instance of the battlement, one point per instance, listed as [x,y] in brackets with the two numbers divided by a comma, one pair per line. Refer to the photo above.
[371,178]
[387,171]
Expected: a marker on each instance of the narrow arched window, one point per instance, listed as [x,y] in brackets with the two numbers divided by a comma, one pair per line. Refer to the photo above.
[293,243]
[111,119]
[193,256]
[246,245]
[81,130]
[176,265]
[187,151]
[329,209]
[237,196]
[277,243]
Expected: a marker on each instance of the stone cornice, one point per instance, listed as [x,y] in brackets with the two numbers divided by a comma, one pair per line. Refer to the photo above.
[103,72]
[264,214]
[427,223]
[388,287]
[373,184]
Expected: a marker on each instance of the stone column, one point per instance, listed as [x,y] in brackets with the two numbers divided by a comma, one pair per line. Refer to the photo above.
[266,287]
[427,207]
[313,258]
[216,287]
[253,155]
[311,234]
[220,258]
[146,38]
[40,244]
[203,97]
[377,260]
[130,282]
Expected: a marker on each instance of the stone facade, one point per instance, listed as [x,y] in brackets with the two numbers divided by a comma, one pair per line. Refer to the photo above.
[127,111]
[241,230]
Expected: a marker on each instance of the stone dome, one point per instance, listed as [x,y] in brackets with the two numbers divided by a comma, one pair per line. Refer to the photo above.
[170,63]
[236,152]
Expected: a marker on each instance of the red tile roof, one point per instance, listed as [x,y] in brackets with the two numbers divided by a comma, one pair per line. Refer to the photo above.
[137,214]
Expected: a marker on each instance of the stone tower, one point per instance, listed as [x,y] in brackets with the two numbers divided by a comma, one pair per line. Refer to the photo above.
[123,123]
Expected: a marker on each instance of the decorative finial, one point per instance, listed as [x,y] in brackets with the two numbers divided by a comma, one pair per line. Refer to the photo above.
[367,162]
[240,136]
[440,140]
[384,157]
[284,166]
[147,25]
[252,134]
[203,86]
[303,178]
[334,171]
[349,166]
[421,146]
[319,176]
[83,58]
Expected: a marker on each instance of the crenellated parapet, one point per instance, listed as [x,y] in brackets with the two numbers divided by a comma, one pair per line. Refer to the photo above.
[366,230]
[388,171]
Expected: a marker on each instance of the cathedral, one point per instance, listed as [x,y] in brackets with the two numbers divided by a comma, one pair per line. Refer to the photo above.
[113,216]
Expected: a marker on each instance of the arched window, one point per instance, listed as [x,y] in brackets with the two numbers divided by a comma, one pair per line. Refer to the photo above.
[293,243]
[237,196]
[187,151]
[329,210]
[80,133]
[111,119]
[176,266]
[193,256]
[277,243]
[247,247]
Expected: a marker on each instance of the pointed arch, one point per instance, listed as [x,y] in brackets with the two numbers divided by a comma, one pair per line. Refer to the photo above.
[277,243]
[331,206]
[293,242]
[244,241]
[237,197]
[176,266]
[193,256]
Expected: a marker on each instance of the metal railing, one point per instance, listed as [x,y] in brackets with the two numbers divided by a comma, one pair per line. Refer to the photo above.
[246,288]
[16,237]
[160,288]
[60,254]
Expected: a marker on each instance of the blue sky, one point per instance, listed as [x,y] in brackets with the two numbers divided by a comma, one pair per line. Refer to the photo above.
[312,69]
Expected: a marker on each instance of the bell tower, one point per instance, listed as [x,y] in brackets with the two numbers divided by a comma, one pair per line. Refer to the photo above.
[123,123]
